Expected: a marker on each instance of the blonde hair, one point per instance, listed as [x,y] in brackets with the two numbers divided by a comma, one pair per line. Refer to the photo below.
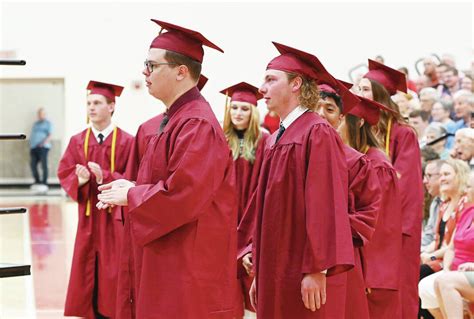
[309,92]
[252,135]
[462,170]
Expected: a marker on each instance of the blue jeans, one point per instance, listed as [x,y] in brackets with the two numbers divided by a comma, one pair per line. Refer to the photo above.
[39,154]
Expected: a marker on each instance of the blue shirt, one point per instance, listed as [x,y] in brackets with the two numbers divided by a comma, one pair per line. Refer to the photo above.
[40,131]
[452,127]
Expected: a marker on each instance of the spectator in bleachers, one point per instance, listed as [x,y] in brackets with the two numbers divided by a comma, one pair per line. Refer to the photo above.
[411,85]
[441,112]
[462,108]
[419,120]
[464,146]
[431,182]
[434,131]
[422,82]
[453,182]
[440,69]
[430,71]
[438,291]
[403,103]
[428,97]
[451,80]
[466,83]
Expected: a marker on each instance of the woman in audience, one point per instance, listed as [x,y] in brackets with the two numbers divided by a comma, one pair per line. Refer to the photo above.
[442,293]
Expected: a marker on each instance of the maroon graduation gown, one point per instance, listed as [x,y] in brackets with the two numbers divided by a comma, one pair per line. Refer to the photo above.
[125,290]
[182,217]
[383,254]
[302,225]
[246,177]
[364,204]
[406,159]
[98,234]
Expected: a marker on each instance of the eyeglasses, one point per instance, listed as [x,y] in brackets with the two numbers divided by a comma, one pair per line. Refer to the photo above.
[150,65]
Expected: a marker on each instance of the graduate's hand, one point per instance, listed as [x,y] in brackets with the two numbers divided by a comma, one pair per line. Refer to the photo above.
[253,294]
[114,193]
[313,290]
[83,174]
[97,171]
[247,263]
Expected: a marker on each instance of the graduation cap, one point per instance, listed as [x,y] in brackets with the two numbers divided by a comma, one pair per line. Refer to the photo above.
[292,60]
[243,92]
[110,91]
[393,80]
[369,110]
[439,139]
[342,89]
[181,40]
[201,82]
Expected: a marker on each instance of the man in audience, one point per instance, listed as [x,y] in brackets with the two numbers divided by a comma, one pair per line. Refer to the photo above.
[431,182]
[451,80]
[419,120]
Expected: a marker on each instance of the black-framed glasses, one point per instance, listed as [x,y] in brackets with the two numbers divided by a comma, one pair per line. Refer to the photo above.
[150,65]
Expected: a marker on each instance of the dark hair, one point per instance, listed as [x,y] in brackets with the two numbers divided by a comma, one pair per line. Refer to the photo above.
[193,66]
[452,69]
[360,136]
[334,96]
[425,116]
[428,154]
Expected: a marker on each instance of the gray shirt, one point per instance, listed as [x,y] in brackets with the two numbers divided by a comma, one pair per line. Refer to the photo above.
[428,234]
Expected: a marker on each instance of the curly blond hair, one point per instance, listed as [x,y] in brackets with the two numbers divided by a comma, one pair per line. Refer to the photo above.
[309,92]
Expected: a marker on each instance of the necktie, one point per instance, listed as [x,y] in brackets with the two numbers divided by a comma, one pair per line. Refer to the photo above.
[101,138]
[280,132]
[164,122]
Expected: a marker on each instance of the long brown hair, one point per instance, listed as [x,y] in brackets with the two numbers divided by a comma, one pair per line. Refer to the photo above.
[252,135]
[360,137]
[381,95]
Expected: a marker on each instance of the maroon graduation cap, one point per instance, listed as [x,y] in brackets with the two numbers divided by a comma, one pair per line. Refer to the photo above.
[368,110]
[110,91]
[393,80]
[243,92]
[181,40]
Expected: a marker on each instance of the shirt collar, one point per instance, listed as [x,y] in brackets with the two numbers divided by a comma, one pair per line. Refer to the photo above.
[295,114]
[190,95]
[105,132]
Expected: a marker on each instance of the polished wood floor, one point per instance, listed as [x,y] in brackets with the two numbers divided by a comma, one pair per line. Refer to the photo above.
[43,238]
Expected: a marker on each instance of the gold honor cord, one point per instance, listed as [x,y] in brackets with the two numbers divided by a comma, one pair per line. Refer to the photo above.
[86,149]
[387,137]
[112,160]
[366,149]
